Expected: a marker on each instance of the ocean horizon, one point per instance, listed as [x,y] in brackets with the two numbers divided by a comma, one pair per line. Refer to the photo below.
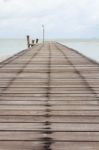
[88,47]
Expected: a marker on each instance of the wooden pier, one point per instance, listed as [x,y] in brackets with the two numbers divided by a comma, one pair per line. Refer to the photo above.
[49,100]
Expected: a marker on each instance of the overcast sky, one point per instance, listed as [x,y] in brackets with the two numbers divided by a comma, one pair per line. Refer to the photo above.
[62,18]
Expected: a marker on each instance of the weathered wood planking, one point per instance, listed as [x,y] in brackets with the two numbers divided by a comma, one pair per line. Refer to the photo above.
[49,100]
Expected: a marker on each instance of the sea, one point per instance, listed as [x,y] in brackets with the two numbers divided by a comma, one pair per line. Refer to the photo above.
[88,47]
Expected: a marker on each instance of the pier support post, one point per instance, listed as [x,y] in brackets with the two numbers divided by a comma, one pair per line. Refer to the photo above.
[33,42]
[28,41]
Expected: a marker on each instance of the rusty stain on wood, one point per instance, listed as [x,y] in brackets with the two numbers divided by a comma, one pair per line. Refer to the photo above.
[49,100]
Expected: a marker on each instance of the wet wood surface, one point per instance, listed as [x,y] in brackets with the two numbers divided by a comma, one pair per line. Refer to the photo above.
[49,100]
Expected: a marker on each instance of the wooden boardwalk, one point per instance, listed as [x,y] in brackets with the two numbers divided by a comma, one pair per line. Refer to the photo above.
[49,100]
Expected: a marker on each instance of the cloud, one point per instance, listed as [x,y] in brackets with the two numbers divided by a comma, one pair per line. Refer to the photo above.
[62,18]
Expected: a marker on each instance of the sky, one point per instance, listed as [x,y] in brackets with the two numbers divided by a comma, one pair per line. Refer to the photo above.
[61,18]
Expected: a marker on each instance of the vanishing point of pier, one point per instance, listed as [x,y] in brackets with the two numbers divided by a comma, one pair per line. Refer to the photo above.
[49,100]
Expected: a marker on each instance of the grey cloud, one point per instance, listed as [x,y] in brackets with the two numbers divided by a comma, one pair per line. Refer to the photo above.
[61,17]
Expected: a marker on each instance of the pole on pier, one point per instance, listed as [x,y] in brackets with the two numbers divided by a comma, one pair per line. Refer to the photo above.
[43,33]
[28,41]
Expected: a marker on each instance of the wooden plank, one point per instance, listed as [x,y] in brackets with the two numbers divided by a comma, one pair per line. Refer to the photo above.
[76,136]
[63,127]
[21,126]
[52,119]
[22,112]
[75,146]
[31,108]
[75,113]
[24,119]
[53,108]
[21,145]
[75,107]
[19,136]
[43,102]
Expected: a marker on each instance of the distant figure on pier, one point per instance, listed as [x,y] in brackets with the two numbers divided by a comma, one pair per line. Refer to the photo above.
[37,41]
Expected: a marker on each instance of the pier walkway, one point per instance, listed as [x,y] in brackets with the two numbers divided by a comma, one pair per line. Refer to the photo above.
[49,100]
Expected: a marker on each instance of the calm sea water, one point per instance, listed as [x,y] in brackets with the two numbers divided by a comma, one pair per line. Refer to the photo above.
[11,46]
[89,48]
